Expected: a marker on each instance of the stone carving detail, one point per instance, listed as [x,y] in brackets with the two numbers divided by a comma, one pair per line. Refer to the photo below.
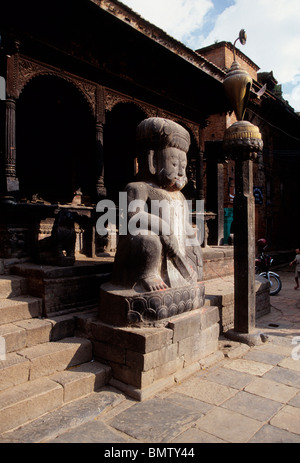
[59,247]
[28,69]
[157,305]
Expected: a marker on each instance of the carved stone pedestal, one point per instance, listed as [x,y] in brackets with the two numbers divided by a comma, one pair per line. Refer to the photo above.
[147,359]
[121,307]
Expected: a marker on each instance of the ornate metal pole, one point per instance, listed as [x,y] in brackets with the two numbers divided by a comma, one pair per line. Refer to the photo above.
[242,142]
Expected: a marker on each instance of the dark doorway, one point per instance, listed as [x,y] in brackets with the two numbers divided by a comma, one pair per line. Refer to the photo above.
[120,147]
[55,141]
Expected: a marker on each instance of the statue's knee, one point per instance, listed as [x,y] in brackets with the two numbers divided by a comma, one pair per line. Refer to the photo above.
[150,245]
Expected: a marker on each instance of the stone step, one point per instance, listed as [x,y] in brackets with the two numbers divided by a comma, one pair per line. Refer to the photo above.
[46,359]
[64,289]
[25,333]
[19,308]
[12,286]
[28,333]
[82,379]
[14,370]
[43,360]
[28,401]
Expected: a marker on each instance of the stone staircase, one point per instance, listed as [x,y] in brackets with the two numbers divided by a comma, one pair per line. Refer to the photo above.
[44,363]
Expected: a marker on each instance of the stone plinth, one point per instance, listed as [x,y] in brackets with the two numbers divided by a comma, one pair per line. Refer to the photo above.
[64,289]
[120,307]
[147,359]
[220,292]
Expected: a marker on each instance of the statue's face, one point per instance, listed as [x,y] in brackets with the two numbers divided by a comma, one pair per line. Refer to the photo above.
[171,168]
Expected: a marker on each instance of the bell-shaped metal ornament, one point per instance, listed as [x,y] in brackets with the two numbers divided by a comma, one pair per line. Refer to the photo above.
[237,84]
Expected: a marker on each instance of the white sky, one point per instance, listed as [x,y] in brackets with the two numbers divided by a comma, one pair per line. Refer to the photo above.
[272,27]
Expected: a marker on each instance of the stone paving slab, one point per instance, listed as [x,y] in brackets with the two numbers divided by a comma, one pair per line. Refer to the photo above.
[264,357]
[206,391]
[229,425]
[272,435]
[231,378]
[295,401]
[189,402]
[249,366]
[290,363]
[285,376]
[253,406]
[94,432]
[155,420]
[196,436]
[288,418]
[271,390]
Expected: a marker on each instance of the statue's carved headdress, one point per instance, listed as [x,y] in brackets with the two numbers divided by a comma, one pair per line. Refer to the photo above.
[158,133]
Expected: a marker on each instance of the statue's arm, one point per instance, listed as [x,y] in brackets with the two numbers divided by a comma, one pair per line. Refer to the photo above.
[139,202]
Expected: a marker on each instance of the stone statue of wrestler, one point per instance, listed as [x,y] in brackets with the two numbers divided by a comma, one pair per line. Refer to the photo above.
[160,254]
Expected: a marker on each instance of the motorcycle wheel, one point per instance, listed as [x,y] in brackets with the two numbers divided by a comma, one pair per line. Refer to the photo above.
[275,284]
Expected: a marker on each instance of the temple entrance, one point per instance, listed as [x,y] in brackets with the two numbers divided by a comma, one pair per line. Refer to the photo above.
[55,142]
[120,147]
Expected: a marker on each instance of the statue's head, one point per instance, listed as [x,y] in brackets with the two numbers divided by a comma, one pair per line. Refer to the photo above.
[162,148]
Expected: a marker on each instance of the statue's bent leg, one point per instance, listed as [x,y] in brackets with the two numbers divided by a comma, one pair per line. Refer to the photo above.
[138,263]
[150,255]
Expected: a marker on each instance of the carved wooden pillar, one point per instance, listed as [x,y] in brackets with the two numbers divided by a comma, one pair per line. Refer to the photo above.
[101,190]
[200,166]
[10,146]
[100,121]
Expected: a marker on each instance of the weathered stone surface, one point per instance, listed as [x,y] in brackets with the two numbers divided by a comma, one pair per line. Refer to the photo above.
[12,286]
[63,326]
[287,418]
[196,436]
[206,391]
[290,363]
[73,414]
[272,435]
[154,420]
[185,325]
[13,370]
[94,432]
[141,340]
[64,288]
[132,376]
[28,401]
[15,337]
[109,352]
[81,381]
[231,378]
[229,425]
[48,358]
[271,390]
[251,405]
[284,375]
[248,366]
[37,331]
[19,308]
[145,362]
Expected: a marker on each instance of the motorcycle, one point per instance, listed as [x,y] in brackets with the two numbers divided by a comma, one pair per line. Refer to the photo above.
[262,268]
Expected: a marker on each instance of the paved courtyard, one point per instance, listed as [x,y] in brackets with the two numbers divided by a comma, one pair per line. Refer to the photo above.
[242,395]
